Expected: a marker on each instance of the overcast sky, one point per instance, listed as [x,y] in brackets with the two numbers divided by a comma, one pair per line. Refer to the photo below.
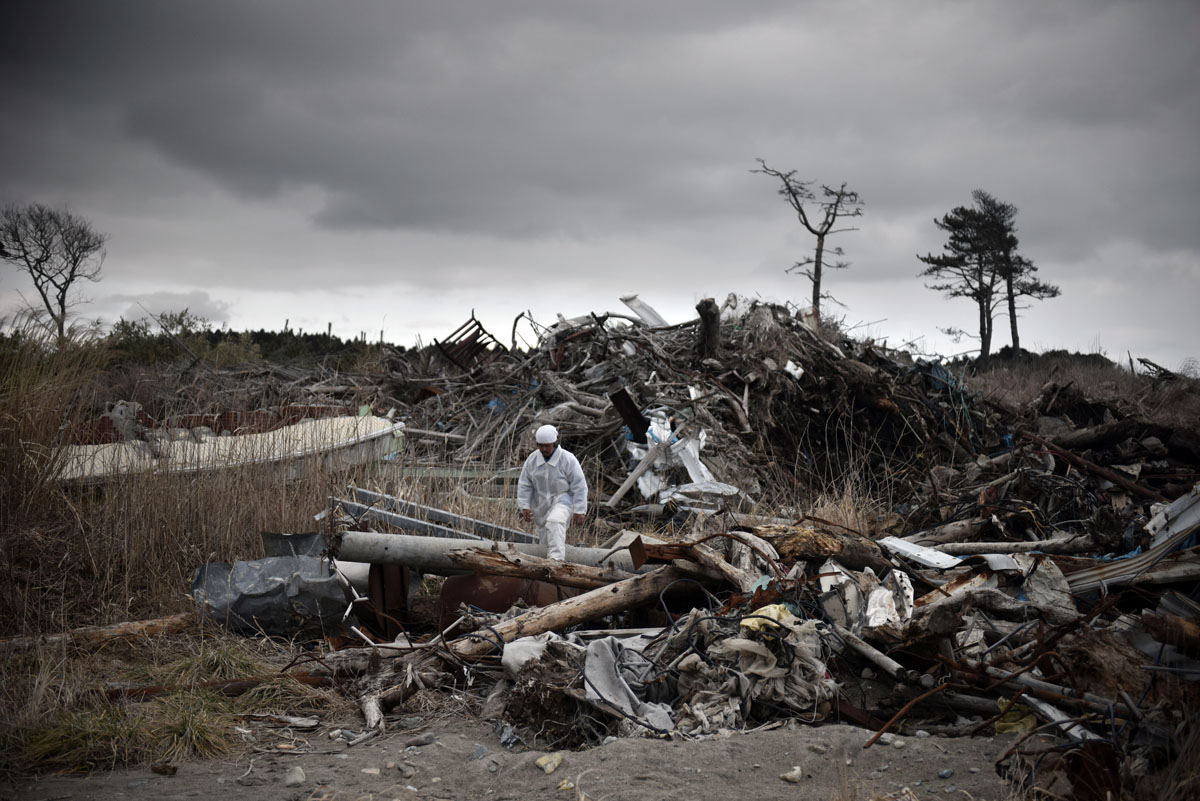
[393,165]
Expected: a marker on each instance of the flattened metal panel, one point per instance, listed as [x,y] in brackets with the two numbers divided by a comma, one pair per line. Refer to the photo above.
[921,554]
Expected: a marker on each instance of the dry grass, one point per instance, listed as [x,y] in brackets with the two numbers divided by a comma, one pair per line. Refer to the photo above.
[1181,780]
[127,549]
[188,724]
[212,658]
[1170,403]
[86,555]
[60,719]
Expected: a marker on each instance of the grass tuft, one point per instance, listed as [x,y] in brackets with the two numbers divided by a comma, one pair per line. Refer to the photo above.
[215,663]
[97,737]
[284,695]
[188,725]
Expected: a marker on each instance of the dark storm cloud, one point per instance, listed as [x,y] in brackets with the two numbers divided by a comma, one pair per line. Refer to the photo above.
[533,118]
[434,144]
[480,119]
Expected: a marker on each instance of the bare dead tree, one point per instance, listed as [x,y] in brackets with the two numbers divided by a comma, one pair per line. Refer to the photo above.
[56,249]
[833,204]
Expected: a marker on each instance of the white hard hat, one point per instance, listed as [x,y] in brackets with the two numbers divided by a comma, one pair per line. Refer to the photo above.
[546,435]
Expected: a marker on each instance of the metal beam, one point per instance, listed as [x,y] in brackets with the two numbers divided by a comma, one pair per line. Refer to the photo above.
[409,524]
[479,528]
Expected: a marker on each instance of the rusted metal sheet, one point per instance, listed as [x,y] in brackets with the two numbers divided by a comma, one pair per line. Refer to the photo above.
[495,594]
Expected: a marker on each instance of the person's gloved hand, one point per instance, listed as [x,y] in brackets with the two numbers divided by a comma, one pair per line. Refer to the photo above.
[526,515]
[579,519]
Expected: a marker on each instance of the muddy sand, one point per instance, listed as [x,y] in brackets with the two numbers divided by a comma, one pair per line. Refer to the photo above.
[464,759]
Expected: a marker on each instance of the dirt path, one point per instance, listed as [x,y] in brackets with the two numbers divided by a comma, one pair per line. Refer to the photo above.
[465,760]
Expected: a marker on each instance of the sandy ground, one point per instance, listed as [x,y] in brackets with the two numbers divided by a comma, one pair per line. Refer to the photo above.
[463,759]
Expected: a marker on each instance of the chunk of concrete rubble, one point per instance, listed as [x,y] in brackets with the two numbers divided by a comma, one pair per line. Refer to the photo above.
[793,776]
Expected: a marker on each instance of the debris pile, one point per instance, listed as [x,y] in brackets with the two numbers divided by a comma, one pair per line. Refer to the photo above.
[768,406]
[1034,569]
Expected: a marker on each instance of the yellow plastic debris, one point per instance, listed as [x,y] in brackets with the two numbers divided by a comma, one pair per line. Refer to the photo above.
[777,612]
[550,762]
[1019,719]
[566,784]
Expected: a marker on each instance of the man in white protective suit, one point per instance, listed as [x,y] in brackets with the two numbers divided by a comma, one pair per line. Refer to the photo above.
[551,490]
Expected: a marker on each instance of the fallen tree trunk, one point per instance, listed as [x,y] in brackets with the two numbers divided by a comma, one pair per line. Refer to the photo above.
[92,635]
[599,602]
[564,574]
[1184,634]
[1103,435]
[227,687]
[954,531]
[801,542]
[1062,544]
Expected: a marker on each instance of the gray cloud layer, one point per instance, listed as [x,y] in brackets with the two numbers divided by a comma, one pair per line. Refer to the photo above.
[261,143]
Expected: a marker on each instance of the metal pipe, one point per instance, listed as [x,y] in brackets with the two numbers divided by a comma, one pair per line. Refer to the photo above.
[429,554]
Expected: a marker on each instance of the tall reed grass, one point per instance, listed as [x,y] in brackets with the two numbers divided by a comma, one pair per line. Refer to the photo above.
[126,548]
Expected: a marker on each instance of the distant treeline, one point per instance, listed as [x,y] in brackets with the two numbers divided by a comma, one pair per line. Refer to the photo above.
[180,335]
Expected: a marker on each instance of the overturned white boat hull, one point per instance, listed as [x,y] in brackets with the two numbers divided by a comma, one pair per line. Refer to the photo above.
[337,442]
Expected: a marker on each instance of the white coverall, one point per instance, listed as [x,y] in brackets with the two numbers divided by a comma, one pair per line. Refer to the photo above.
[553,489]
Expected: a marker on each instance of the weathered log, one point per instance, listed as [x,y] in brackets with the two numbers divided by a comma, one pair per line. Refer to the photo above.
[1184,634]
[92,635]
[1057,693]
[953,531]
[708,343]
[356,661]
[706,562]
[590,605]
[1083,439]
[227,687]
[1063,543]
[801,542]
[565,574]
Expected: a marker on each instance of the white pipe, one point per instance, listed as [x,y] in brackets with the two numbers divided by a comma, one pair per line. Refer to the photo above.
[429,554]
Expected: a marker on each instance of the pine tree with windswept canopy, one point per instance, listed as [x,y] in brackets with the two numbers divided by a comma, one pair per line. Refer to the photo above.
[980,261]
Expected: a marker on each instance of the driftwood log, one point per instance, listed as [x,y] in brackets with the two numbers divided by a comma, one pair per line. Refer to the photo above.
[801,542]
[93,635]
[512,563]
[1184,634]
[1062,543]
[227,687]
